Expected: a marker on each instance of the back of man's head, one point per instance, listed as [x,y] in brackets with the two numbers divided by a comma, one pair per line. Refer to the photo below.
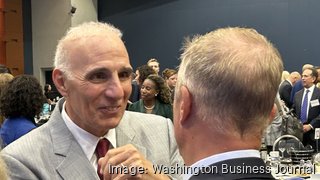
[233,75]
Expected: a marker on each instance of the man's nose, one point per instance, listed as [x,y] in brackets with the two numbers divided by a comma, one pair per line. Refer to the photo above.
[114,88]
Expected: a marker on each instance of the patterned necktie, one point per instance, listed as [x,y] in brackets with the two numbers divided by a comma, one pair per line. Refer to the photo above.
[101,150]
[303,115]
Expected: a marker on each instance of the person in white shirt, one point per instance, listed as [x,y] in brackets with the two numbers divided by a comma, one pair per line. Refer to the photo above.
[307,107]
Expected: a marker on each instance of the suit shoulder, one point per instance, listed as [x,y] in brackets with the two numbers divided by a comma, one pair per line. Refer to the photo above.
[145,118]
[317,90]
[30,143]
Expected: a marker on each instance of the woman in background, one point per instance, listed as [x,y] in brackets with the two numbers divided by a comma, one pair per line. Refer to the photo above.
[142,73]
[48,93]
[155,98]
[20,101]
[170,76]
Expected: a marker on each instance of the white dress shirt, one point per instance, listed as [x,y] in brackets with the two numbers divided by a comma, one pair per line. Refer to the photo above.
[309,97]
[221,157]
[86,140]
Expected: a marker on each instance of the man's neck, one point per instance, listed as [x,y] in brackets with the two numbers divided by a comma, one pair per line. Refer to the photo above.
[219,144]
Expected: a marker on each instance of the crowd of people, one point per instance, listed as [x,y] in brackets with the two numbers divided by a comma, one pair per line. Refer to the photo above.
[300,94]
[108,118]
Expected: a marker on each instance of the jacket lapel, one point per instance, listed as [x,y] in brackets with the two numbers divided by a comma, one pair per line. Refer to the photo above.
[125,134]
[70,160]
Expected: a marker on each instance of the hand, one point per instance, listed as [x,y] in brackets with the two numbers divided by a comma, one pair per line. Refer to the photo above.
[127,162]
[306,128]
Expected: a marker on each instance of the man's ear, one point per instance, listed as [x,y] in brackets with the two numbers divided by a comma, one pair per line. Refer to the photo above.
[59,81]
[273,113]
[185,105]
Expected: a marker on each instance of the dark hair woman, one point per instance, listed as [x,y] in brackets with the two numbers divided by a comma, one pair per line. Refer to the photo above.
[49,94]
[20,101]
[142,73]
[155,98]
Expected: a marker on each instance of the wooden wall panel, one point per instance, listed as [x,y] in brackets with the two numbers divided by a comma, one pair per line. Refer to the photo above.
[14,36]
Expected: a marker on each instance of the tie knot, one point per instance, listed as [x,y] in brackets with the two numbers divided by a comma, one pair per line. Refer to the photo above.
[307,91]
[102,147]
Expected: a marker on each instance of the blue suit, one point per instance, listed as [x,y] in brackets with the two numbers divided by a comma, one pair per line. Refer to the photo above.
[296,87]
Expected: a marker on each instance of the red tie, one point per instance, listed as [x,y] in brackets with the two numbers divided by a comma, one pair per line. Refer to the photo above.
[101,150]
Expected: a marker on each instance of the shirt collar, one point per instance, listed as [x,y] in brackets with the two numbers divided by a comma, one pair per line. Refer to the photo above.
[221,157]
[310,89]
[86,140]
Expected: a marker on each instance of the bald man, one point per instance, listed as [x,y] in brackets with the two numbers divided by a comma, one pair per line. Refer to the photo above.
[286,87]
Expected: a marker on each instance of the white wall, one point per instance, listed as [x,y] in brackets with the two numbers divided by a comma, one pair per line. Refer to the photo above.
[50,21]
[86,11]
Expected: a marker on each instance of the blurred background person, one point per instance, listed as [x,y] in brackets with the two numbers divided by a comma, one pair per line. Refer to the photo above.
[170,76]
[20,101]
[274,129]
[155,98]
[48,94]
[4,69]
[298,85]
[155,65]
[285,75]
[142,73]
[286,87]
[4,79]
[318,79]
[307,108]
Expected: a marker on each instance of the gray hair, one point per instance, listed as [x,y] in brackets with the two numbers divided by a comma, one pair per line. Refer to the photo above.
[80,34]
[233,75]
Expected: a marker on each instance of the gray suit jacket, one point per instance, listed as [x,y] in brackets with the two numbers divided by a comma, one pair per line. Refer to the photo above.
[51,151]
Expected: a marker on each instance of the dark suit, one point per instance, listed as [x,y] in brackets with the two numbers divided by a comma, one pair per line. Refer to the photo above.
[313,114]
[296,87]
[224,170]
[285,92]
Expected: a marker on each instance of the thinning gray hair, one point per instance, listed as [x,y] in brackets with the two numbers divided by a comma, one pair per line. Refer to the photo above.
[80,33]
[233,75]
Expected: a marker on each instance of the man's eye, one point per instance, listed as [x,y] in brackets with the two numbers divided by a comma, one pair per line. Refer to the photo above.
[125,75]
[98,77]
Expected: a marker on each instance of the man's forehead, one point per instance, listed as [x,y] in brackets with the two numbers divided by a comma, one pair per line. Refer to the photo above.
[307,72]
[119,67]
